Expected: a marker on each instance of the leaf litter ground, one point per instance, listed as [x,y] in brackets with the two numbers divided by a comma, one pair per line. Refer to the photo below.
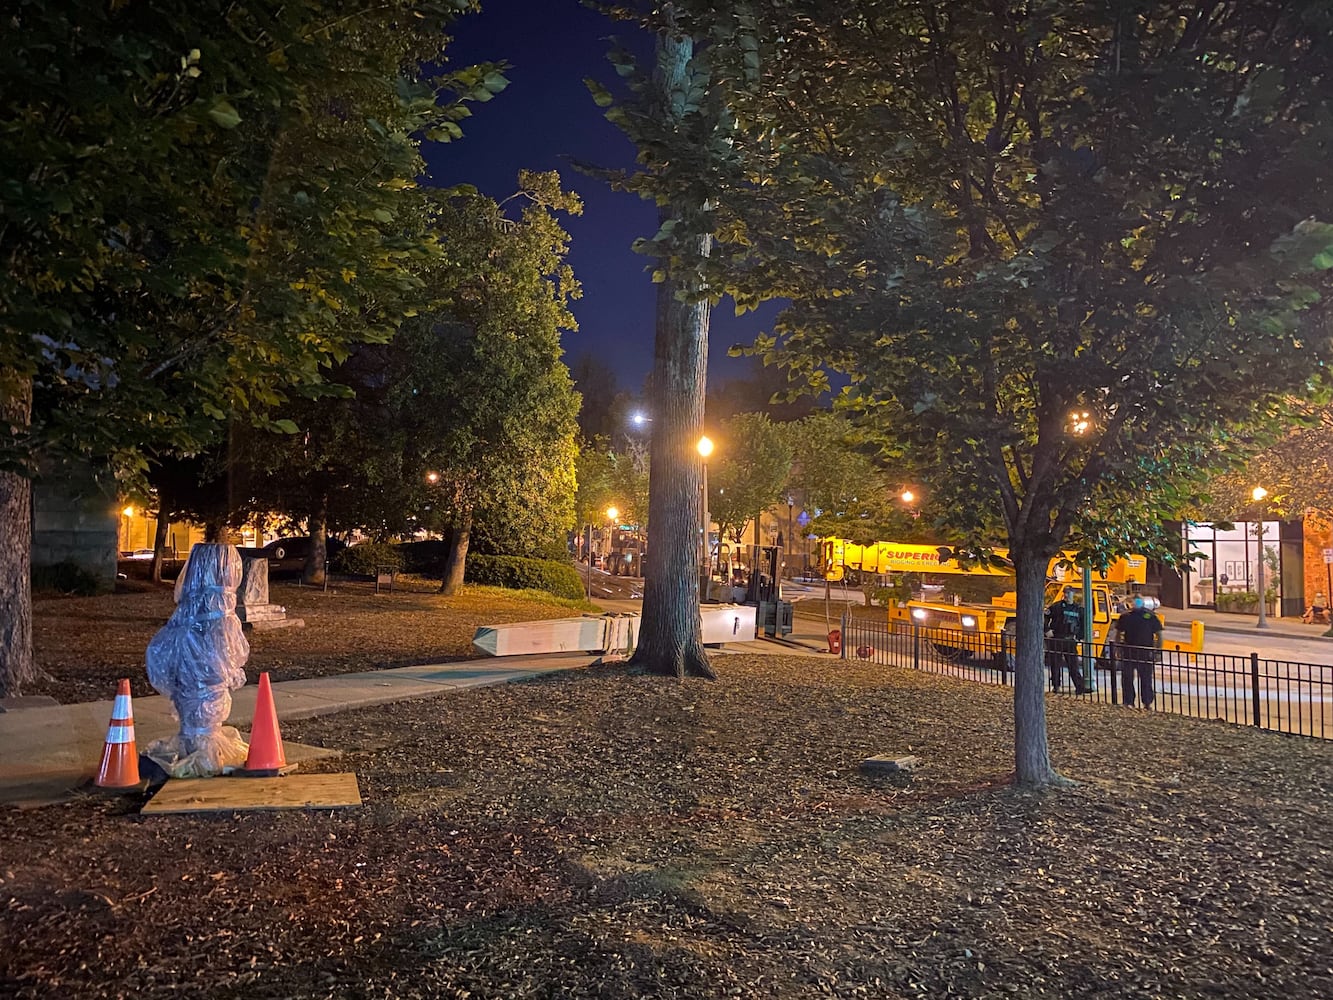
[599,834]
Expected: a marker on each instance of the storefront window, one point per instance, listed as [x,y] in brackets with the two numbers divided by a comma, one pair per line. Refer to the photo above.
[1229,561]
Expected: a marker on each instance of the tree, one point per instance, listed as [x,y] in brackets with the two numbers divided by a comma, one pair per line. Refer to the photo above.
[848,492]
[671,108]
[1058,307]
[186,228]
[764,388]
[750,473]
[1296,469]
[485,406]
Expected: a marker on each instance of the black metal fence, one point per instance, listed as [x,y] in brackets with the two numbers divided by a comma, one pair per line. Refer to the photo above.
[1279,695]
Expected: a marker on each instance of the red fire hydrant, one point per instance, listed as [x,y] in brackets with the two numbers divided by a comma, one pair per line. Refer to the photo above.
[835,642]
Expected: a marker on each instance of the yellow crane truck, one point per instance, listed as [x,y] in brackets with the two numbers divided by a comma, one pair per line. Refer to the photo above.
[971,631]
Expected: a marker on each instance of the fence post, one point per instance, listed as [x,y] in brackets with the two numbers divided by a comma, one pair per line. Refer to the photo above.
[1254,686]
[916,645]
[844,624]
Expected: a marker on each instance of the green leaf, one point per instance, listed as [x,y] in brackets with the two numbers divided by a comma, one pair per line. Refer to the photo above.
[224,114]
[600,95]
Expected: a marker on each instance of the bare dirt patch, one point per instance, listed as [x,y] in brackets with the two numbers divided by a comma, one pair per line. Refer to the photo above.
[597,834]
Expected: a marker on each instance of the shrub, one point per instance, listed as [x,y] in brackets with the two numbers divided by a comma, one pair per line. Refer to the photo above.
[367,558]
[425,557]
[65,578]
[517,573]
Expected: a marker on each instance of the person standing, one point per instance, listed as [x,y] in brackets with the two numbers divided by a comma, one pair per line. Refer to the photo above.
[1138,644]
[1064,625]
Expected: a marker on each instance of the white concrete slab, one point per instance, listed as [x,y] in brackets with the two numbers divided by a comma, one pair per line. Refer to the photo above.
[556,635]
[727,623]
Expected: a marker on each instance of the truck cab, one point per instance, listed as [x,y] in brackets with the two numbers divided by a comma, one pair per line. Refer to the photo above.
[984,633]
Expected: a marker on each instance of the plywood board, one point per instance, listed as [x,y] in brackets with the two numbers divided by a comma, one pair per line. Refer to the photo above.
[296,791]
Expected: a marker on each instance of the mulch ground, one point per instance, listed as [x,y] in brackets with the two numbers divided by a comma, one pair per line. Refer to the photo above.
[85,644]
[600,834]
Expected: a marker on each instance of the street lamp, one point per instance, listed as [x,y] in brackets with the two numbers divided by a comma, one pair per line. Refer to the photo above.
[613,516]
[1080,422]
[432,477]
[127,514]
[705,449]
[1259,493]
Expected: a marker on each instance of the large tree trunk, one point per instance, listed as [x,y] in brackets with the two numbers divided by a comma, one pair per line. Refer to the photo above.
[159,545]
[455,561]
[17,665]
[316,567]
[670,641]
[1032,760]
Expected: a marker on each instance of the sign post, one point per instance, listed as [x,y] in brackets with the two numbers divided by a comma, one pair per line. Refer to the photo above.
[1328,572]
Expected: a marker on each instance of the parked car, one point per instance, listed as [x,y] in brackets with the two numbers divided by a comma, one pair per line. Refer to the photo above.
[139,554]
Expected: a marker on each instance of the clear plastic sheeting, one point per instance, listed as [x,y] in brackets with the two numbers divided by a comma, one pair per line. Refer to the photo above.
[197,659]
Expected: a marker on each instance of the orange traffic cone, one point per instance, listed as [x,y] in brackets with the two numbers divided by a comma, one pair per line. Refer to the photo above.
[266,753]
[120,759]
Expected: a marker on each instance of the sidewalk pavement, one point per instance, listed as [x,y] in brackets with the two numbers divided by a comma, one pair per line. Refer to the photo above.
[1216,621]
[48,752]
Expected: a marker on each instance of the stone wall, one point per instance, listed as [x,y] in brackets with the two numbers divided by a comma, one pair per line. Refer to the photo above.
[75,520]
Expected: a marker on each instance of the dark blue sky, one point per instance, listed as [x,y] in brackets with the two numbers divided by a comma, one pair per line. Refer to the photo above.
[542,121]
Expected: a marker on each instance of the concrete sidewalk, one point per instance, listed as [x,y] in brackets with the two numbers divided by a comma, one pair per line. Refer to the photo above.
[1216,621]
[48,752]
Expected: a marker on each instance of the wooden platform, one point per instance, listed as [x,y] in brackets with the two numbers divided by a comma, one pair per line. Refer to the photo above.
[295,791]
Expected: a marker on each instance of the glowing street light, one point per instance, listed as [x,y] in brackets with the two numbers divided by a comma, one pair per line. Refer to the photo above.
[432,477]
[1259,494]
[612,513]
[705,447]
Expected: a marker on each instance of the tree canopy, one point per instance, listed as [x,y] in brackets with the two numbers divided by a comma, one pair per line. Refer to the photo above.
[749,473]
[199,213]
[1063,251]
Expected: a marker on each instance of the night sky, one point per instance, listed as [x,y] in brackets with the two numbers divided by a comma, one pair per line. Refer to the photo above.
[544,120]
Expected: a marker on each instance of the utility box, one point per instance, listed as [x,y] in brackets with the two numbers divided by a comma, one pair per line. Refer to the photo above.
[775,617]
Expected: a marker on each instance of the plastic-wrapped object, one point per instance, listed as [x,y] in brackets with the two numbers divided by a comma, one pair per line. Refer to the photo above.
[197,659]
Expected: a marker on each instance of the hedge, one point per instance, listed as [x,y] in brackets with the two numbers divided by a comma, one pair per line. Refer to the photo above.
[517,573]
[65,578]
[367,558]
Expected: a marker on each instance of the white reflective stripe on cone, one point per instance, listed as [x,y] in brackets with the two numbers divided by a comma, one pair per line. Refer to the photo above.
[120,734]
[121,710]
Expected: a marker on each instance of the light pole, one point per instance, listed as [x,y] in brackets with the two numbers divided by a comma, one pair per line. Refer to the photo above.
[791,544]
[1259,493]
[612,514]
[1080,422]
[910,499]
[705,449]
[127,514]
